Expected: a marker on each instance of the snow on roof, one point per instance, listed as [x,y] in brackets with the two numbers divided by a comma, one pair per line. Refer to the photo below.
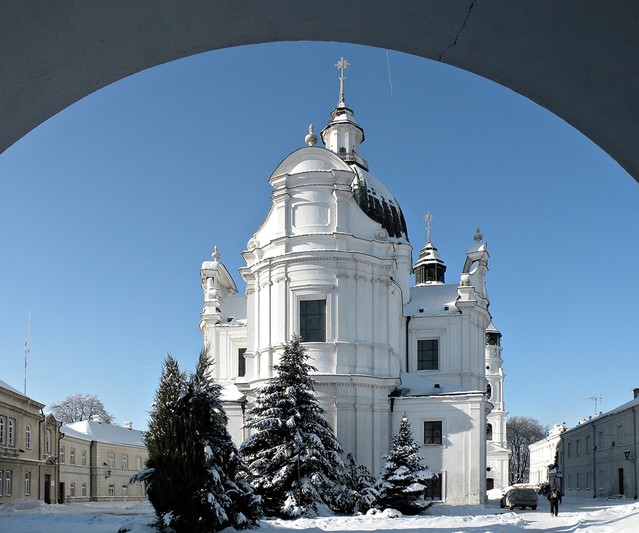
[230,393]
[234,310]
[5,385]
[90,430]
[416,385]
[432,300]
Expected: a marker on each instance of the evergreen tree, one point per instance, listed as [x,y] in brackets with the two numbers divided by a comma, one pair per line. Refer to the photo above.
[293,457]
[401,484]
[360,480]
[193,472]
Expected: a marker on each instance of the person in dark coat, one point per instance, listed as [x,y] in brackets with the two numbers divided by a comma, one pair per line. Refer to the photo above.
[555,499]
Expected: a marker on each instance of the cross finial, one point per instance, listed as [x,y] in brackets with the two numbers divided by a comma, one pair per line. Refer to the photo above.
[342,65]
[428,218]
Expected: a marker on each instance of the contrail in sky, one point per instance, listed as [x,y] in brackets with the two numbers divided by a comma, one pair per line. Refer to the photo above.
[390,80]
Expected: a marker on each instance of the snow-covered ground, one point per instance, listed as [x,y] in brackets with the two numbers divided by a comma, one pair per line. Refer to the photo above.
[575,515]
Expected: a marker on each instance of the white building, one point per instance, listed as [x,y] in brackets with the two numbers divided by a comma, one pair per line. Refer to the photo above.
[543,457]
[332,262]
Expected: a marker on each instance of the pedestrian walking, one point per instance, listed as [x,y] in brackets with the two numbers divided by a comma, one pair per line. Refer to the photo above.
[554,496]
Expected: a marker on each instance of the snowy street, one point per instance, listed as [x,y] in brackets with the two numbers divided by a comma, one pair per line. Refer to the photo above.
[575,515]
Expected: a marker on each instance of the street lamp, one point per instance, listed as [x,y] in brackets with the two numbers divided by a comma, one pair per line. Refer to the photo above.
[289,450]
[107,474]
[626,454]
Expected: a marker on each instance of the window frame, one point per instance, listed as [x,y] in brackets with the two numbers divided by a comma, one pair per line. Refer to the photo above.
[427,364]
[241,362]
[12,426]
[27,436]
[71,456]
[309,332]
[435,427]
[124,461]
[61,456]
[3,429]
[8,479]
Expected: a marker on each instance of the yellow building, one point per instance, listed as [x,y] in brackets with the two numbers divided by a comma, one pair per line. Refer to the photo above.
[97,461]
[28,448]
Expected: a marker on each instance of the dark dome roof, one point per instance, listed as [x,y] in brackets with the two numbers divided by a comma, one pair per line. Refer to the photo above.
[378,203]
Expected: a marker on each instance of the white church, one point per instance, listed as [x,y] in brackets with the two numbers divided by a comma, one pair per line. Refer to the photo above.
[332,262]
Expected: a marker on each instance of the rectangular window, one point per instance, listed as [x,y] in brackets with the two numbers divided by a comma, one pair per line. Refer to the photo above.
[578,481]
[8,482]
[428,354]
[3,425]
[111,491]
[577,451]
[433,432]
[587,480]
[241,362]
[84,489]
[569,481]
[72,489]
[601,440]
[72,456]
[1,482]
[111,460]
[125,490]
[84,458]
[570,449]
[138,463]
[11,433]
[47,442]
[313,320]
[27,437]
[125,462]
[619,434]
[588,445]
[61,454]
[27,483]
[433,490]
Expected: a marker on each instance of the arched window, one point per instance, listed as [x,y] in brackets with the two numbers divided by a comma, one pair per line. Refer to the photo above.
[27,437]
[489,432]
[489,391]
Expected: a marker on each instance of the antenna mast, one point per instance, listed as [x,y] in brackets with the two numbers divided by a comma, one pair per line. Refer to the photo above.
[27,349]
[595,399]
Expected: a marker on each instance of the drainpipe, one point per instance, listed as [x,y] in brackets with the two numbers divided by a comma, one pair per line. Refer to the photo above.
[634,439]
[407,358]
[40,452]
[594,462]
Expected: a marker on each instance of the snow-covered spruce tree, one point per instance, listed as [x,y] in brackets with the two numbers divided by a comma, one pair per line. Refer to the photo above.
[360,480]
[194,475]
[293,457]
[401,482]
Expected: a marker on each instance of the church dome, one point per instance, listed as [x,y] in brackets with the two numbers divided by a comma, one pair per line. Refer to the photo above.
[343,136]
[378,203]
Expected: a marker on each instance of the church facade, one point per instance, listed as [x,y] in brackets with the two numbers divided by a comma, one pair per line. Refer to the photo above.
[332,262]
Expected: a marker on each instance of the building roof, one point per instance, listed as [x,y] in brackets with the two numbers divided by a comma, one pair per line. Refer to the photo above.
[432,300]
[5,385]
[100,432]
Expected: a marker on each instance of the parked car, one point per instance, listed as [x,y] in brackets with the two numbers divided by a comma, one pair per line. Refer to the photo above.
[519,498]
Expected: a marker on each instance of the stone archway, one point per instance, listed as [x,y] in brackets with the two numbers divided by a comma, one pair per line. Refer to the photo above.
[575,58]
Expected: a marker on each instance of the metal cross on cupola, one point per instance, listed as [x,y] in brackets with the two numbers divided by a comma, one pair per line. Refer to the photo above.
[428,217]
[342,65]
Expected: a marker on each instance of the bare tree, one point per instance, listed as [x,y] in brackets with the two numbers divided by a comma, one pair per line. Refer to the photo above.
[78,407]
[522,431]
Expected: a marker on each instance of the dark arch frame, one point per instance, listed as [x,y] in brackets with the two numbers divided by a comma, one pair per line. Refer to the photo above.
[577,58]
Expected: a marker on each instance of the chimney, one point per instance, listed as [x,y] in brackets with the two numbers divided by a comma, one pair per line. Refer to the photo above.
[128,425]
[636,392]
[96,418]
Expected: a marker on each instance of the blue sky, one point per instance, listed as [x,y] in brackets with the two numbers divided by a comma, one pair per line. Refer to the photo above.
[108,209]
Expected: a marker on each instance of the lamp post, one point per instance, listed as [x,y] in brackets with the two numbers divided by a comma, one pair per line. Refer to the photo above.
[289,450]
